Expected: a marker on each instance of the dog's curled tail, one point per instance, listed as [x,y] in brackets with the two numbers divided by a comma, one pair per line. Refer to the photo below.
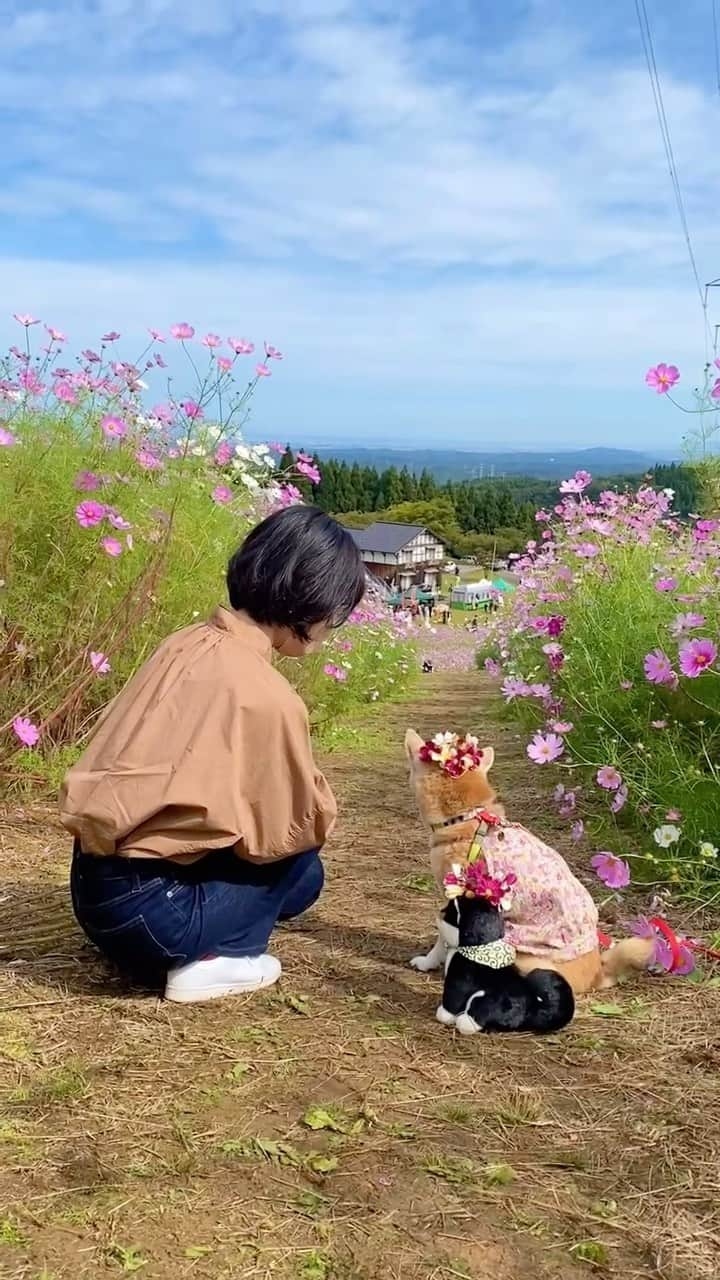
[552,1003]
[630,955]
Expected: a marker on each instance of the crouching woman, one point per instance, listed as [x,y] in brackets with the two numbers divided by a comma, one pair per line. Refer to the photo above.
[197,811]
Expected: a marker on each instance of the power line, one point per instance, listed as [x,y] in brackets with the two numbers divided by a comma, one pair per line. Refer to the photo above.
[716,41]
[649,50]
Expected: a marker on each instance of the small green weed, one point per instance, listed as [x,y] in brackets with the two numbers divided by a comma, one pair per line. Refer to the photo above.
[496,1175]
[11,1234]
[128,1259]
[333,1119]
[456,1170]
[419,882]
[591,1251]
[314,1266]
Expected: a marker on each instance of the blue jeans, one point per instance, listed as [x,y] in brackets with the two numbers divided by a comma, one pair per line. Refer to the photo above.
[149,915]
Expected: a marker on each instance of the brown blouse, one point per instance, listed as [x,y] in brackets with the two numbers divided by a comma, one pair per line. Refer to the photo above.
[206,747]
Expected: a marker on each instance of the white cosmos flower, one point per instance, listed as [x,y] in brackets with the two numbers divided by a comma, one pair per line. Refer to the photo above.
[666,835]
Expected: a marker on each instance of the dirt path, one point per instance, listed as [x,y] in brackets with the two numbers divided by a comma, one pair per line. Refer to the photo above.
[332,1130]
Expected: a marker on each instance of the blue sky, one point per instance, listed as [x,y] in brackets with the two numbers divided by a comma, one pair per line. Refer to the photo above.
[455,219]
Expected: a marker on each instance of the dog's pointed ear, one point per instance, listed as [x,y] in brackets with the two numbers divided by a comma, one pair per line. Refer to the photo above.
[488,759]
[413,743]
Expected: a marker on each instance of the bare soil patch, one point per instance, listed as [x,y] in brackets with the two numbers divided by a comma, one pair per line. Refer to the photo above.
[331,1130]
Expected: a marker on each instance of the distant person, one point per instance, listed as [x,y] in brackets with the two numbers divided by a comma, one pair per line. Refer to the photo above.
[197,810]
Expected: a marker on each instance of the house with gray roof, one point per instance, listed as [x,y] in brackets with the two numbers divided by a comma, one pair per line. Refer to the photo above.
[401,555]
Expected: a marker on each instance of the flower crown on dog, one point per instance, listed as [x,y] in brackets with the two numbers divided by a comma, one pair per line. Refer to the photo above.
[474,881]
[453,754]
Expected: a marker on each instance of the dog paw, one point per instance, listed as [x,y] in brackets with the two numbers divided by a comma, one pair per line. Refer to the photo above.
[444,1016]
[466,1025]
[423,964]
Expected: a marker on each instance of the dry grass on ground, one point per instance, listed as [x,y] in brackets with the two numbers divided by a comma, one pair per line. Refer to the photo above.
[331,1130]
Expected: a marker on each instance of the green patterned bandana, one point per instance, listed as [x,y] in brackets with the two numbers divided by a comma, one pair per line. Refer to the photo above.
[496,955]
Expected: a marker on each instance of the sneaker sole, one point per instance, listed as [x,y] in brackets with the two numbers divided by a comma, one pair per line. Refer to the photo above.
[217,991]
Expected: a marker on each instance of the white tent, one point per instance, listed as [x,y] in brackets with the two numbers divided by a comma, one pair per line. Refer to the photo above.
[470,593]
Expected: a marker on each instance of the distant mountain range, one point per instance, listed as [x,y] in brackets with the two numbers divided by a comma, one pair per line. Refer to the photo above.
[459,464]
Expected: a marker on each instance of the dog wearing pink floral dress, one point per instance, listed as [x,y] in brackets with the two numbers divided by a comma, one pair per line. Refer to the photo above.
[553,921]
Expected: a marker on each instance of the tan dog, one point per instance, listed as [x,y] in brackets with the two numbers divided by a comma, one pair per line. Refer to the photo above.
[448,805]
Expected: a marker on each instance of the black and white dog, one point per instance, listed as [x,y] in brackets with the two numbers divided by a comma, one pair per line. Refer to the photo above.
[483,990]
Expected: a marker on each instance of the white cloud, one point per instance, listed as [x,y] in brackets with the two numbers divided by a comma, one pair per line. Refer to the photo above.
[405,202]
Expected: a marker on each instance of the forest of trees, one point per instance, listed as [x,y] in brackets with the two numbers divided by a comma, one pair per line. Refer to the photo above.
[470,516]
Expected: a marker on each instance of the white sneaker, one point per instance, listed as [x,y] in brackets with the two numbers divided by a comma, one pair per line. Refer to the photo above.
[221,976]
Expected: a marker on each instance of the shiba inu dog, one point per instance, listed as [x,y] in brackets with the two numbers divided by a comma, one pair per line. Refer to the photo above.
[553,921]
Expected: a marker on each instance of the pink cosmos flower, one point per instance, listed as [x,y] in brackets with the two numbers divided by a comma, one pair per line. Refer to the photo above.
[192,409]
[223,454]
[545,747]
[608,778]
[696,656]
[24,729]
[562,726]
[578,484]
[289,495]
[91,356]
[65,393]
[114,428]
[222,495]
[686,622]
[262,371]
[223,364]
[211,340]
[90,513]
[275,447]
[159,361]
[619,800]
[6,438]
[148,460]
[335,672]
[241,346]
[24,320]
[99,663]
[658,724]
[587,550]
[613,871]
[163,413]
[272,353]
[183,331]
[87,481]
[512,688]
[112,336]
[673,815]
[658,669]
[54,334]
[117,521]
[156,335]
[662,377]
[666,584]
[556,625]
[492,667]
[309,470]
[112,547]
[626,685]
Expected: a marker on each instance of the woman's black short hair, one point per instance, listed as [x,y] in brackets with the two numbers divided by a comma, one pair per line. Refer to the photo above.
[298,567]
